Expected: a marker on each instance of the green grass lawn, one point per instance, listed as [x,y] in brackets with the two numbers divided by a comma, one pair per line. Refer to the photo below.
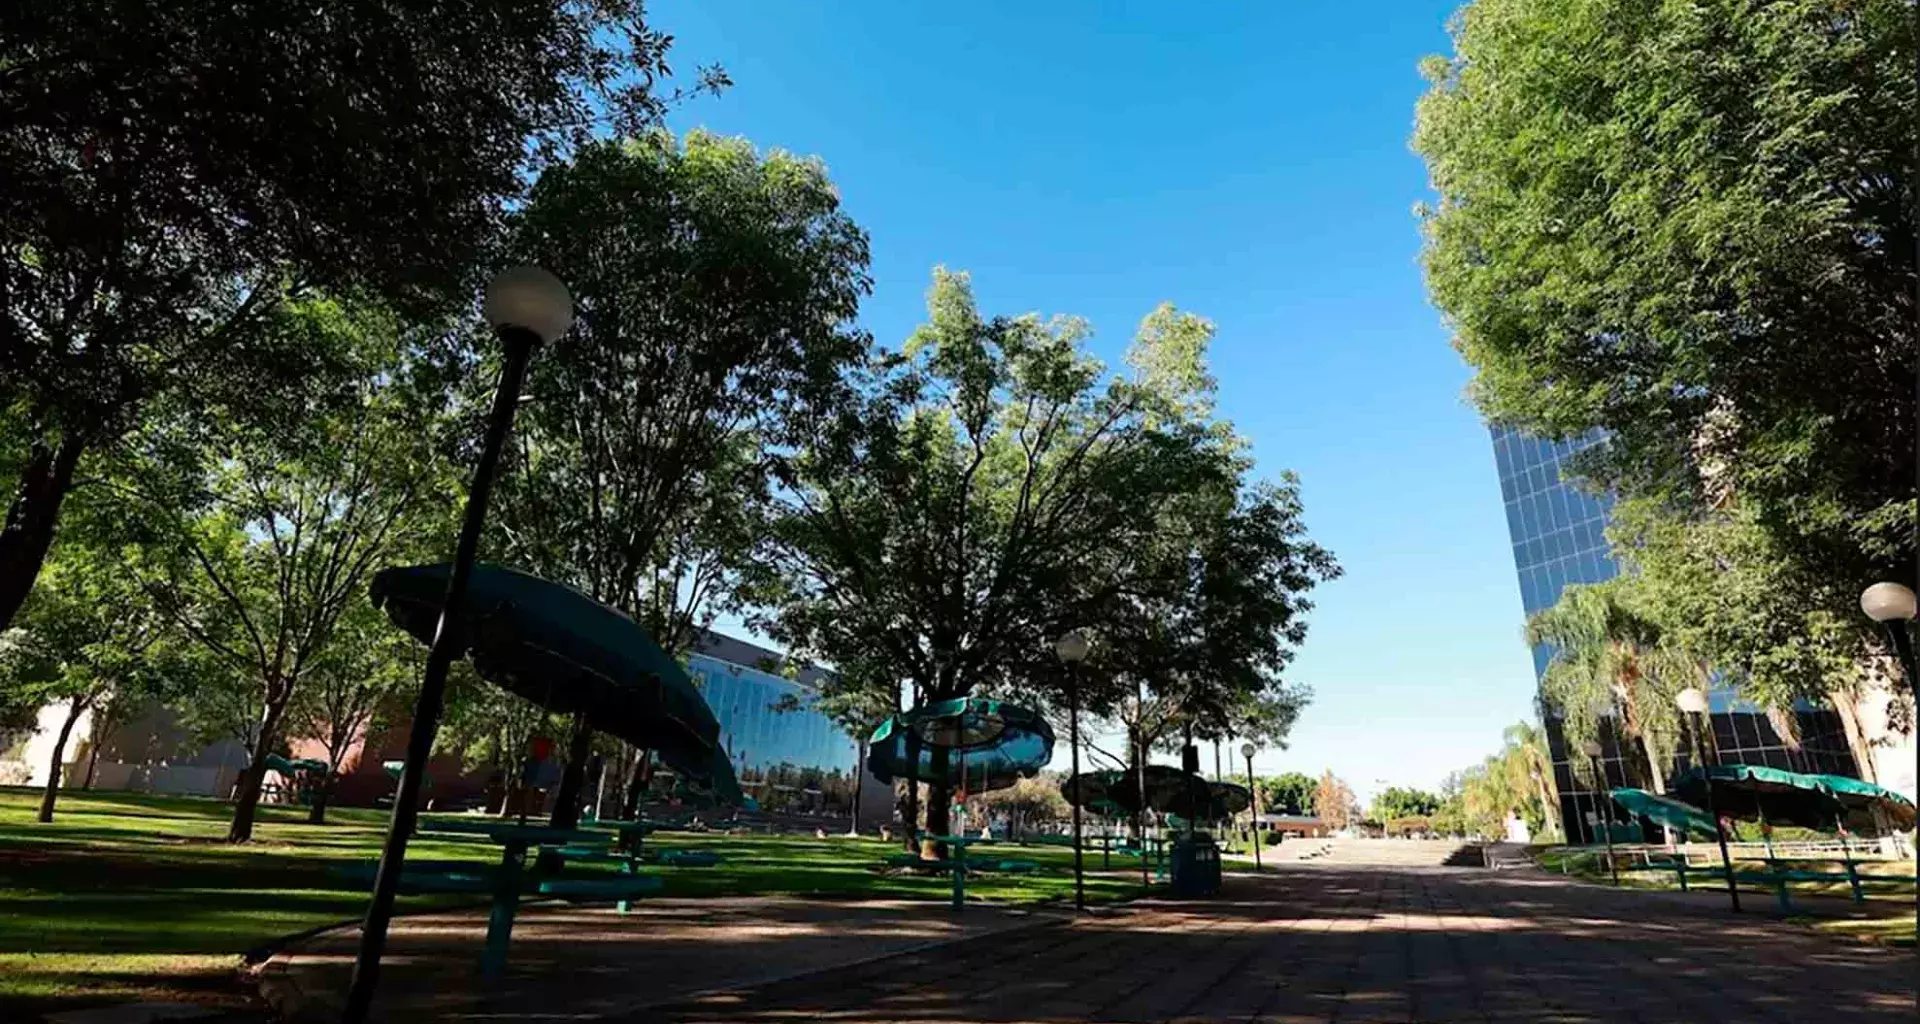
[1898,889]
[131,896]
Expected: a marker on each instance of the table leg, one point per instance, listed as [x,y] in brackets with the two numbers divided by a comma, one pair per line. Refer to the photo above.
[506,900]
[959,875]
[631,866]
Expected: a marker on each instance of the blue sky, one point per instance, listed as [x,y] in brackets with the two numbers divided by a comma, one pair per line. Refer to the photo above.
[1248,162]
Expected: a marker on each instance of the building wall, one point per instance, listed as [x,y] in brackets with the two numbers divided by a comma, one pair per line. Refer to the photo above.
[796,760]
[1558,533]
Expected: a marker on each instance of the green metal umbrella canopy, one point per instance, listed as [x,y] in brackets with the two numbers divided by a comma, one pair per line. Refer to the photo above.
[1750,792]
[1664,810]
[570,654]
[1169,790]
[987,745]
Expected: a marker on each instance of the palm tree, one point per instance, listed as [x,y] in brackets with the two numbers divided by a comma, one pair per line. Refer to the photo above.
[1527,757]
[1610,657]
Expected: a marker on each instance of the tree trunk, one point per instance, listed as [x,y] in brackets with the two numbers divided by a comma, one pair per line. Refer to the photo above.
[93,761]
[939,799]
[317,812]
[74,711]
[566,803]
[1548,805]
[859,783]
[912,823]
[1846,701]
[1656,773]
[31,519]
[636,785]
[247,797]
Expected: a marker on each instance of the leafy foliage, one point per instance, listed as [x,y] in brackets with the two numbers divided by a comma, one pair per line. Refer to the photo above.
[1289,793]
[176,172]
[1517,780]
[1613,661]
[1334,802]
[1396,802]
[1686,225]
[715,287]
[269,539]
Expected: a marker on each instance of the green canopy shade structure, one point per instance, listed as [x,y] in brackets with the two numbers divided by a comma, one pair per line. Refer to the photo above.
[571,654]
[1230,799]
[1672,813]
[287,766]
[1751,792]
[989,744]
[1169,790]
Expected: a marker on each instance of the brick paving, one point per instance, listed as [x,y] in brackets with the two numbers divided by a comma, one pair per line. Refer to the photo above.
[584,963]
[1346,944]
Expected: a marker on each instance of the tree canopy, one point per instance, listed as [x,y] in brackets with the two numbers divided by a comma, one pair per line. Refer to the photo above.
[1687,225]
[175,172]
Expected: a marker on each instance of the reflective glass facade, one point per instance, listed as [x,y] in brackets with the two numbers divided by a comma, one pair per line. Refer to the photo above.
[787,759]
[1558,531]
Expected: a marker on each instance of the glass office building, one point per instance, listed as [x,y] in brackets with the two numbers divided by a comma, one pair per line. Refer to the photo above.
[1558,531]
[787,755]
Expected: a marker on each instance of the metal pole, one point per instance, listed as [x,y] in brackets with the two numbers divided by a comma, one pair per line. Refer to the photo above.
[1073,742]
[1719,832]
[1606,817]
[1901,641]
[449,643]
[1251,788]
[1140,816]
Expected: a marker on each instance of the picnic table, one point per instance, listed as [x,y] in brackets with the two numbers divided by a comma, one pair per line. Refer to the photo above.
[958,861]
[515,840]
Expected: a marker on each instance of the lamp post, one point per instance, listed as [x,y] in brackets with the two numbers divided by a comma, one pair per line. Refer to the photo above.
[1593,750]
[1072,649]
[1893,606]
[526,307]
[1693,703]
[1247,751]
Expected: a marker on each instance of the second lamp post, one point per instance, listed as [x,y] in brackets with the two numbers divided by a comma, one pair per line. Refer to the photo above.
[1072,650]
[1247,751]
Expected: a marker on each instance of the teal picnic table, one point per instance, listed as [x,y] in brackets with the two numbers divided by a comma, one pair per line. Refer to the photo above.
[514,840]
[959,846]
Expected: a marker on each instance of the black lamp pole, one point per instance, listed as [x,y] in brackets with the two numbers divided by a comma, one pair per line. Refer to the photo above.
[449,643]
[1702,721]
[1254,789]
[1073,743]
[1605,815]
[1901,640]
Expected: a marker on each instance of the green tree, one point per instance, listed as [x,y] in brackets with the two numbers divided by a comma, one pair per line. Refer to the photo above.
[1289,793]
[1028,801]
[978,495]
[365,669]
[1613,661]
[1686,225]
[272,536]
[1516,780]
[1525,748]
[716,288]
[1723,587]
[83,639]
[1397,802]
[176,172]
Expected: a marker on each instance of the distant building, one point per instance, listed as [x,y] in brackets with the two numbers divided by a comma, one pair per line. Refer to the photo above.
[1558,532]
[789,757]
[1298,826]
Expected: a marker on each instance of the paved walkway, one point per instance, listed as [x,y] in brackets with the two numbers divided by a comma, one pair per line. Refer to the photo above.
[583,963]
[1340,944]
